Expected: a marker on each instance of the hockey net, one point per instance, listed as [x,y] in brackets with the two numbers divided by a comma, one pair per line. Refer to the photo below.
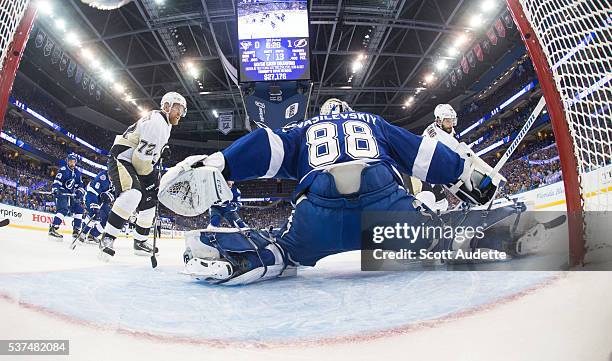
[15,25]
[570,44]
[11,13]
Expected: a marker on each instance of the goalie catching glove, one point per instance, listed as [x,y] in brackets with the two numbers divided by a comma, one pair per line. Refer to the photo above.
[193,185]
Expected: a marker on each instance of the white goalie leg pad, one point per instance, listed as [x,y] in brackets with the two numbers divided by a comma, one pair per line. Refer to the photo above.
[199,249]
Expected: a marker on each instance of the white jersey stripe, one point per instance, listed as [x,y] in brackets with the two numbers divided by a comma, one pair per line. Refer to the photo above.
[277,154]
[423,158]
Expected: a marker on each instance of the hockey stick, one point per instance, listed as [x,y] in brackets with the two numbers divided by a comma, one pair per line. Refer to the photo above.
[160,164]
[73,244]
[4,222]
[515,143]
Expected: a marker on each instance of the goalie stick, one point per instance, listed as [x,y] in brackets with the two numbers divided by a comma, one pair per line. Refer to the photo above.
[515,143]
[4,222]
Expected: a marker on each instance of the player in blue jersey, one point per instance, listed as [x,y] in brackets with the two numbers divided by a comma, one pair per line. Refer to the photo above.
[68,191]
[98,200]
[346,162]
[228,210]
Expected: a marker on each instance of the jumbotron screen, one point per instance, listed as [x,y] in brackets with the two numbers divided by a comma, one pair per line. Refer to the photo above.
[273,40]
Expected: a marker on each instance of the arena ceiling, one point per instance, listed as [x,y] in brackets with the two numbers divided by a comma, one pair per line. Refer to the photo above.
[154,46]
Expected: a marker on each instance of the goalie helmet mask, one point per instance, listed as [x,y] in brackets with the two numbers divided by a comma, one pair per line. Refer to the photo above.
[334,106]
[174,98]
[445,111]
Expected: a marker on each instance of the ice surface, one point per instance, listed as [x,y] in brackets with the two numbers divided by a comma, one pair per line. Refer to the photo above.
[333,311]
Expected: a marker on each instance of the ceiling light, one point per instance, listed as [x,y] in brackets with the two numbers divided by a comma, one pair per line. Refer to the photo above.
[107,75]
[194,73]
[72,39]
[118,87]
[44,7]
[461,39]
[441,65]
[488,5]
[430,77]
[205,93]
[95,64]
[452,51]
[476,21]
[357,65]
[215,113]
[87,54]
[60,24]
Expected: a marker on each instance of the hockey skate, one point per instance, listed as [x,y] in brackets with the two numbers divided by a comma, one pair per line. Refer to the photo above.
[91,239]
[531,242]
[106,248]
[54,234]
[142,248]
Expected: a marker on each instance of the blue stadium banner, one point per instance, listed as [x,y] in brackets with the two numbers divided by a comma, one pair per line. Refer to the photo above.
[276,105]
[225,122]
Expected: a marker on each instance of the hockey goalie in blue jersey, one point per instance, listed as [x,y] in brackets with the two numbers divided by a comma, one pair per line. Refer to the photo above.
[347,162]
[68,191]
[98,200]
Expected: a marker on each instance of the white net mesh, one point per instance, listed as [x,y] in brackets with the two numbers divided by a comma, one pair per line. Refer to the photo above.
[11,12]
[576,37]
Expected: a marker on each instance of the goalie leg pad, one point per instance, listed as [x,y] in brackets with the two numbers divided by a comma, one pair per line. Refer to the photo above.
[251,255]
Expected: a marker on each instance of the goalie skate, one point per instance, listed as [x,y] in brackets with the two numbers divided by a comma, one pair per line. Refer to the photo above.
[209,269]
[532,241]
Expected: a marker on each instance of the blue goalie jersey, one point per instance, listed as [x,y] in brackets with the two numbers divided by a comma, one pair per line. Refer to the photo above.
[309,147]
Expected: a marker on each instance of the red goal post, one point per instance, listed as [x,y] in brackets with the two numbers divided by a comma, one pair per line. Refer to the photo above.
[16,19]
[570,45]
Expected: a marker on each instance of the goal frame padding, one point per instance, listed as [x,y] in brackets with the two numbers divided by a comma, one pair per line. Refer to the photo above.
[565,145]
[13,57]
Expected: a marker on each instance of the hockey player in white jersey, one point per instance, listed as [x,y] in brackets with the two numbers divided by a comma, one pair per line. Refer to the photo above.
[347,162]
[443,130]
[132,169]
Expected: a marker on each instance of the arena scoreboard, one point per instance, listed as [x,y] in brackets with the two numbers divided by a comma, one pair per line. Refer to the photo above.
[273,40]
